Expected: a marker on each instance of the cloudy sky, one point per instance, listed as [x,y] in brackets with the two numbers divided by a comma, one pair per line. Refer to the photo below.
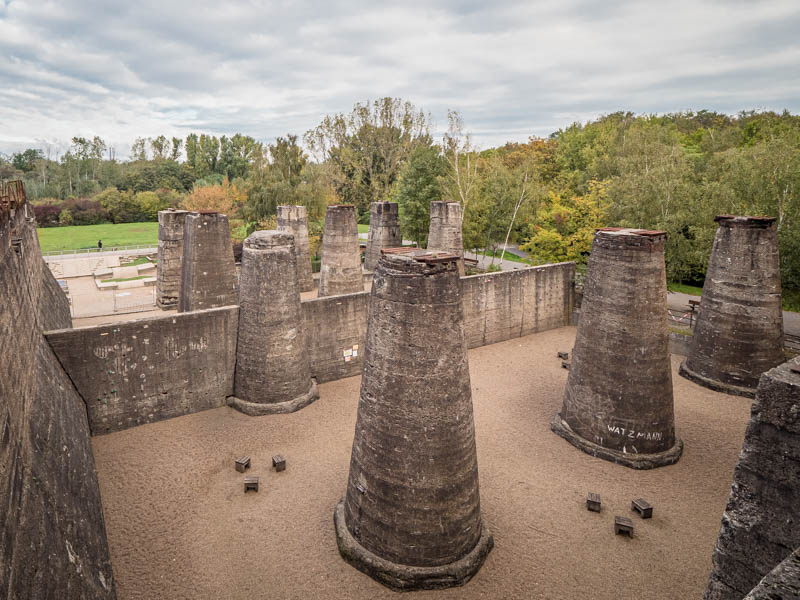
[266,68]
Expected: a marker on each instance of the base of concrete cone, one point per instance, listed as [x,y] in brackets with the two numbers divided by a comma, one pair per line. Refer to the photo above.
[405,578]
[717,386]
[167,305]
[626,459]
[256,409]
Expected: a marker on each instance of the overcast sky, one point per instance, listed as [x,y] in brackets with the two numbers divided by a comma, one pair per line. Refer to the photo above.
[143,68]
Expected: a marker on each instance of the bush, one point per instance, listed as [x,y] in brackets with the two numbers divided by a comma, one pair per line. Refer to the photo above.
[65,217]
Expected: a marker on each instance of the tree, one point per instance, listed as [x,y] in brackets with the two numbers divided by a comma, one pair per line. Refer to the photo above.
[159,147]
[462,158]
[365,150]
[226,198]
[26,161]
[139,149]
[419,185]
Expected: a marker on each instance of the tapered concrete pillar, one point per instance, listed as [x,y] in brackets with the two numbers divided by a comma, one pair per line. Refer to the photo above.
[340,272]
[208,273]
[739,331]
[761,522]
[294,220]
[411,517]
[272,371]
[170,257]
[618,402]
[444,232]
[384,232]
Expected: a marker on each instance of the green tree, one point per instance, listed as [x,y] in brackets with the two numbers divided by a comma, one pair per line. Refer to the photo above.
[419,185]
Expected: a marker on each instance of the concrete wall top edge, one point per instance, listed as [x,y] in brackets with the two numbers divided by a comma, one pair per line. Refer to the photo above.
[156,319]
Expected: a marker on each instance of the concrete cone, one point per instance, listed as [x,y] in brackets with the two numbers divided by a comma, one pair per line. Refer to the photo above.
[618,403]
[739,331]
[411,517]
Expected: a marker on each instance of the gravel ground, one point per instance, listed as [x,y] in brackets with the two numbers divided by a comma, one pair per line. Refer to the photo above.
[179,525]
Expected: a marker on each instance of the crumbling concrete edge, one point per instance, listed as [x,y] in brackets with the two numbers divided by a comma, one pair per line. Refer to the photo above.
[634,461]
[783,582]
[717,386]
[256,409]
[406,578]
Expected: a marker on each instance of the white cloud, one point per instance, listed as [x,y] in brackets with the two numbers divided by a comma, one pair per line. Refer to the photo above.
[122,70]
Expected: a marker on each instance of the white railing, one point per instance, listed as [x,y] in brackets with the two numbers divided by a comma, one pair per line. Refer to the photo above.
[100,250]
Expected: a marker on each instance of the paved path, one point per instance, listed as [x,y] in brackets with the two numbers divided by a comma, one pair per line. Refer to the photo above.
[485,261]
[680,302]
[93,254]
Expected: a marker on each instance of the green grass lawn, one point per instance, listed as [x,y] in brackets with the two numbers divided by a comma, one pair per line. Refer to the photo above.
[363,228]
[508,256]
[685,289]
[86,236]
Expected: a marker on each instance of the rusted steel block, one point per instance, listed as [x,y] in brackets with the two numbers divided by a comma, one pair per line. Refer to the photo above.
[623,525]
[593,502]
[250,483]
[242,464]
[643,507]
[279,462]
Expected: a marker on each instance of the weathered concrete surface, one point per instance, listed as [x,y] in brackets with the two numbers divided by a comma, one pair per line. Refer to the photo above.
[782,583]
[170,257]
[497,307]
[622,330]
[151,369]
[505,305]
[208,275]
[739,331]
[384,231]
[336,332]
[52,532]
[444,231]
[340,271]
[761,524]
[294,220]
[411,516]
[272,373]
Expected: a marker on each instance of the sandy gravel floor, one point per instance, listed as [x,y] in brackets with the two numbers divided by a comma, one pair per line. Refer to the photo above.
[179,525]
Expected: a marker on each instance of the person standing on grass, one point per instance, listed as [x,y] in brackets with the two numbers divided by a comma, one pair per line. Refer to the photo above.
[99,244]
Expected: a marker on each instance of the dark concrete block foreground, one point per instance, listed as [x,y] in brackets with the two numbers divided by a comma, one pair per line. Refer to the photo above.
[52,531]
[761,524]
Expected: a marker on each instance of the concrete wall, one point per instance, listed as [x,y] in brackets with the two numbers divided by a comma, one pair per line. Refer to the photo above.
[497,307]
[190,357]
[336,331]
[152,369]
[52,533]
[509,304]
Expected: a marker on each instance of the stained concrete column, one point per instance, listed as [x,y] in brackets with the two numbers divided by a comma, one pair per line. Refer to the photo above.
[208,273]
[444,232]
[739,331]
[340,272]
[272,371]
[618,402]
[411,517]
[170,257]
[384,231]
[761,522]
[294,220]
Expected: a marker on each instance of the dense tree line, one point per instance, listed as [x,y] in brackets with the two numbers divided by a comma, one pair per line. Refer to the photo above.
[672,172]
